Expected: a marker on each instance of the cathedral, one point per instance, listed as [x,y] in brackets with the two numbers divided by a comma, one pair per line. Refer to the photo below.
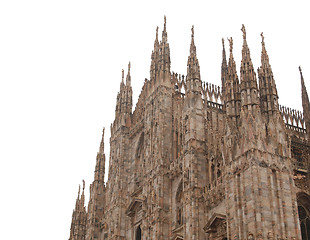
[197,161]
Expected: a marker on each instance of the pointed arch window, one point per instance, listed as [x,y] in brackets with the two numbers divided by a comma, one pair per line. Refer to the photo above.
[304,219]
[138,233]
[304,215]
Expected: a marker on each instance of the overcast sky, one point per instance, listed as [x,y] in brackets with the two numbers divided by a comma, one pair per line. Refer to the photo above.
[60,70]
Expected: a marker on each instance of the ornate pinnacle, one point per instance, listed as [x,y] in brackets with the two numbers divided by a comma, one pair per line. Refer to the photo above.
[122,75]
[83,185]
[223,43]
[129,68]
[243,31]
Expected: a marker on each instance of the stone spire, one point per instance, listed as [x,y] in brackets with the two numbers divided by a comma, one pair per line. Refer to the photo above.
[128,78]
[305,104]
[77,201]
[82,200]
[193,80]
[267,85]
[97,196]
[164,34]
[232,87]
[100,161]
[128,93]
[78,223]
[154,57]
[224,67]
[248,82]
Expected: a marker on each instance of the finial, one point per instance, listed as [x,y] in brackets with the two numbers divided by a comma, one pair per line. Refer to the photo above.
[223,43]
[83,185]
[157,33]
[243,31]
[79,191]
[129,68]
[300,70]
[122,75]
[192,31]
[263,38]
[165,21]
[230,40]
[301,76]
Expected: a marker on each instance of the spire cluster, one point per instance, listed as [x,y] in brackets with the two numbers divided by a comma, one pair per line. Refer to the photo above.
[160,65]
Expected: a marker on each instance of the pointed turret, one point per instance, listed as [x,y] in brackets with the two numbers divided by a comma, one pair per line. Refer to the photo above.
[232,87]
[248,82]
[267,85]
[193,80]
[224,68]
[305,104]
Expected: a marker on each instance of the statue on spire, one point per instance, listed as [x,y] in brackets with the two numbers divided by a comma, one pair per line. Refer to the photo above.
[122,75]
[83,185]
[263,38]
[192,31]
[165,21]
[157,33]
[223,43]
[230,40]
[243,31]
[129,68]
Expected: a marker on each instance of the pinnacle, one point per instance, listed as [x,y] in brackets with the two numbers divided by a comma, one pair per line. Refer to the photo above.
[164,33]
[224,68]
[264,55]
[193,47]
[101,148]
[304,92]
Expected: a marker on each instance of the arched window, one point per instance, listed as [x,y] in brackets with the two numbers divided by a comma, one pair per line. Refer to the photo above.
[304,215]
[138,233]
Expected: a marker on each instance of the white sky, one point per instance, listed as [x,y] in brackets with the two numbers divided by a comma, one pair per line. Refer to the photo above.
[60,69]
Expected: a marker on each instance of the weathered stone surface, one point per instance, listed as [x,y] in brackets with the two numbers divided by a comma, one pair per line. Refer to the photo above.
[194,161]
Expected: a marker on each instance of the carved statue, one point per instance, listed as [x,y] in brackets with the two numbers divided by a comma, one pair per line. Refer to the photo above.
[230,40]
[269,235]
[250,236]
[243,31]
[192,31]
[263,38]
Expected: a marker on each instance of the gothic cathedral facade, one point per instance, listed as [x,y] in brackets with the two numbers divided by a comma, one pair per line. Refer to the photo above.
[195,161]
